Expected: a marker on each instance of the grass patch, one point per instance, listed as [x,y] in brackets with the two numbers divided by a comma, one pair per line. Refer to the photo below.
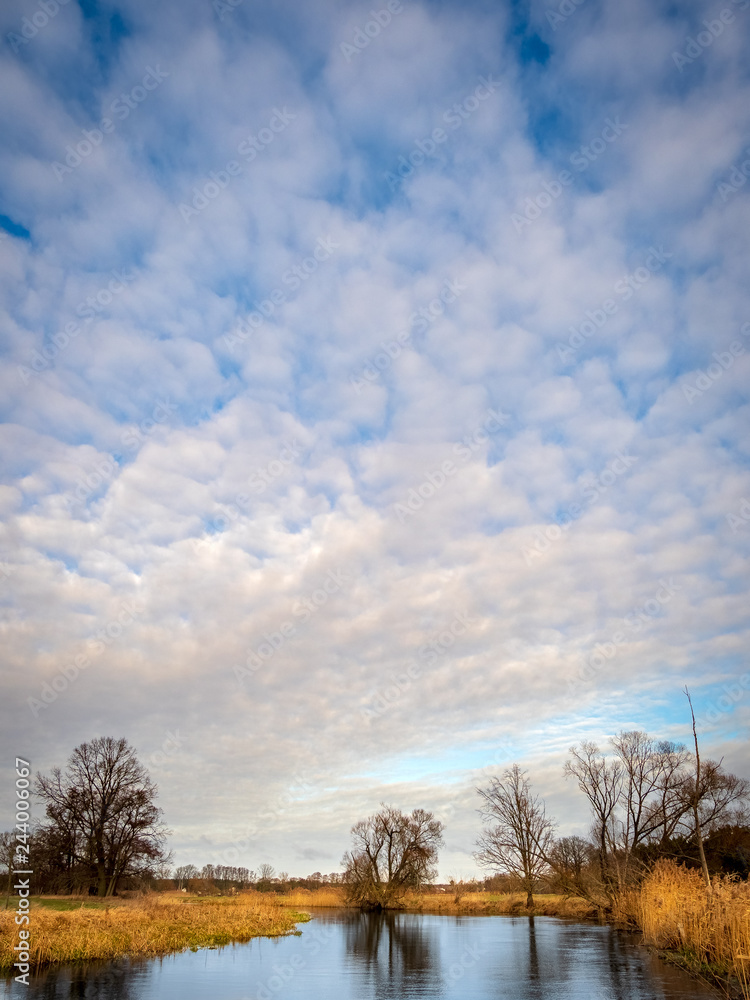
[74,932]
[470,903]
[707,932]
[511,904]
[328,896]
[75,903]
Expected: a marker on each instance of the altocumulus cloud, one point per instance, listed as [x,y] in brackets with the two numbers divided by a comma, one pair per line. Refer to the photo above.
[193,442]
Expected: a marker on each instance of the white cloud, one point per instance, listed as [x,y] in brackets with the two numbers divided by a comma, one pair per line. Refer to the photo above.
[168,432]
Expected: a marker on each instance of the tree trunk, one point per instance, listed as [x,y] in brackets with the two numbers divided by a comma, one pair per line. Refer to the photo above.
[529,899]
[101,879]
[696,797]
[699,838]
[10,881]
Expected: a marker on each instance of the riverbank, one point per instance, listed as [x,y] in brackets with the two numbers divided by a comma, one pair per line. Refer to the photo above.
[707,933]
[489,904]
[67,930]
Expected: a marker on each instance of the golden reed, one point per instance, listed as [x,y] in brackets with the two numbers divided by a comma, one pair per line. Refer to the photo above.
[147,927]
[676,911]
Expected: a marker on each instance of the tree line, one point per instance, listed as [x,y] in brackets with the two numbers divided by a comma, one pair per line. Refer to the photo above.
[102,826]
[103,833]
[647,799]
[223,878]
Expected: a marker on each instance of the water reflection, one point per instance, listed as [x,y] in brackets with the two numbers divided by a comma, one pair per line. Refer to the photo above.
[395,950]
[384,956]
[533,990]
[89,981]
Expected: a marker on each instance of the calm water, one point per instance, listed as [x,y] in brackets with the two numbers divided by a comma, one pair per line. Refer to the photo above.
[341,955]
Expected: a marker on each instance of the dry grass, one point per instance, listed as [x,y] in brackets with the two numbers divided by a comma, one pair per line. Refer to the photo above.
[711,929]
[330,896]
[147,927]
[673,909]
[500,904]
[484,903]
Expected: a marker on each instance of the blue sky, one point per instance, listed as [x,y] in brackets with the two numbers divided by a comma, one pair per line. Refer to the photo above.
[374,399]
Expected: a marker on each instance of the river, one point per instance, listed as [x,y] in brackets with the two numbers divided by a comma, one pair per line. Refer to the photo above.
[346,955]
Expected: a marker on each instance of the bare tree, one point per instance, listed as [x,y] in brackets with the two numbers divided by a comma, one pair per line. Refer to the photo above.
[570,860]
[392,852]
[7,856]
[647,795]
[719,796]
[184,873]
[666,807]
[694,797]
[650,795]
[266,872]
[601,783]
[103,806]
[519,842]
[710,795]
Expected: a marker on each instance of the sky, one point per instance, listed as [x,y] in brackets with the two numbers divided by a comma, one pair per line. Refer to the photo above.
[374,401]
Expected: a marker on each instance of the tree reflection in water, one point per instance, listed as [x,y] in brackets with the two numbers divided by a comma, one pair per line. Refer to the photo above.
[92,981]
[534,979]
[389,956]
[395,948]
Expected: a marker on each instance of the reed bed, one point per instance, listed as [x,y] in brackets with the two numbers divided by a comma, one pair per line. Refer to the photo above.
[145,928]
[711,929]
[328,896]
[485,903]
[500,904]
